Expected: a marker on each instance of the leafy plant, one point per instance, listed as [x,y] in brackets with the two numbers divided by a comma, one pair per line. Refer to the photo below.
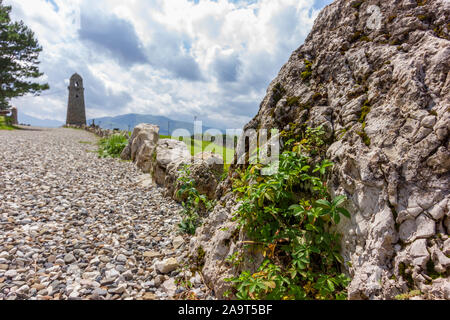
[290,215]
[194,202]
[308,70]
[311,141]
[112,146]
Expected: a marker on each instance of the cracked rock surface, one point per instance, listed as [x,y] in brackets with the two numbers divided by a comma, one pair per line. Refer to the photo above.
[375,75]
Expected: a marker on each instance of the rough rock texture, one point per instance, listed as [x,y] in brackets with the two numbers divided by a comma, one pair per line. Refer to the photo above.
[375,74]
[206,169]
[142,147]
[168,151]
[171,183]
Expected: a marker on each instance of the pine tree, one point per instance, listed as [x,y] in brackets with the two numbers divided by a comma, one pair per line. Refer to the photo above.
[19,52]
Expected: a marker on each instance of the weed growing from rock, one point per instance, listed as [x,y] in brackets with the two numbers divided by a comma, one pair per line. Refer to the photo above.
[290,216]
[193,204]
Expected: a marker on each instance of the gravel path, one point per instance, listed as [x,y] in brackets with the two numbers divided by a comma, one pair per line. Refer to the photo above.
[73,226]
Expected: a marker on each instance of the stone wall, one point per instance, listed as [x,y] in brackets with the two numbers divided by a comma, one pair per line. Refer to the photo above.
[164,158]
[102,133]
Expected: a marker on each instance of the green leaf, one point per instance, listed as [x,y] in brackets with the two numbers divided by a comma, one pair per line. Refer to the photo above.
[344,212]
[311,227]
[261,201]
[339,200]
[330,285]
[338,257]
[323,203]
[336,218]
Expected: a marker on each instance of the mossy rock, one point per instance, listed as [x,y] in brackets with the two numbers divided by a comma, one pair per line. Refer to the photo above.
[409,295]
[317,96]
[365,110]
[306,75]
[357,4]
[392,18]
[359,36]
[366,139]
[293,101]
[421,3]
[278,92]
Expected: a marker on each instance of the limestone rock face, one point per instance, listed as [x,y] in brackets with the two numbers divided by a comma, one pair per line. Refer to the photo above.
[375,75]
[172,174]
[169,151]
[205,168]
[142,147]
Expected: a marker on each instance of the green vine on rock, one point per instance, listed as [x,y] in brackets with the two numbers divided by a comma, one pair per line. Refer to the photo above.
[290,216]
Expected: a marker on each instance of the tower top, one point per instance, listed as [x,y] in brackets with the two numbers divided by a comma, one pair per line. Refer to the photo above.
[76,81]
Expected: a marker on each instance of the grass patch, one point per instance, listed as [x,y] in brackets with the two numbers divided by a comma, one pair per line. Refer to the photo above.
[5,124]
[112,147]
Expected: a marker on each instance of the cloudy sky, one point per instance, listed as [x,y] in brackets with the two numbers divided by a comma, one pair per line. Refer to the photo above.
[178,58]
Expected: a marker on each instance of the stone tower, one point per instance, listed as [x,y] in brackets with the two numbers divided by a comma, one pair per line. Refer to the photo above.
[76,113]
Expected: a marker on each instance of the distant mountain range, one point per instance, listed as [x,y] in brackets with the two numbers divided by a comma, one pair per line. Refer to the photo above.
[122,122]
[129,121]
[35,122]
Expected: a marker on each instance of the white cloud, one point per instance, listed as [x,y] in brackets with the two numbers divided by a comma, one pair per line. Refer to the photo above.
[213,59]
